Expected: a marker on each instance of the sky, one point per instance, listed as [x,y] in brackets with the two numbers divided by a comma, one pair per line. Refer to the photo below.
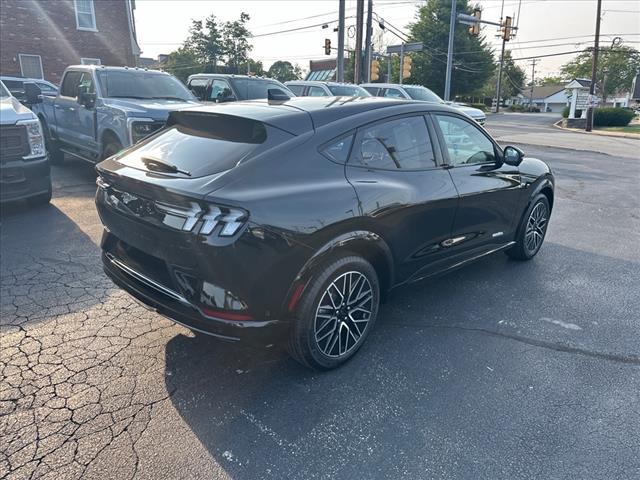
[545,26]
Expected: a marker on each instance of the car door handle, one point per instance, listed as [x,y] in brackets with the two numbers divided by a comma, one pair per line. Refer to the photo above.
[72,109]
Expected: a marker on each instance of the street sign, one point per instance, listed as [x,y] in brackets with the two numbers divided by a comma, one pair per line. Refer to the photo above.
[406,47]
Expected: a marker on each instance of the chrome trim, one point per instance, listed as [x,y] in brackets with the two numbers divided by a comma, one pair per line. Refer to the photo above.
[146,280]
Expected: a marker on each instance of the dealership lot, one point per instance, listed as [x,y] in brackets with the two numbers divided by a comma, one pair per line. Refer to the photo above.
[499,370]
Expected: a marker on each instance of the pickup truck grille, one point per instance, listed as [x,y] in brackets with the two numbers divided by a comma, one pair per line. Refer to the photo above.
[14,143]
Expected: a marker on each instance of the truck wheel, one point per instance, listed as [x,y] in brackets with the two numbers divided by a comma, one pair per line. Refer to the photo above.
[111,148]
[56,156]
[336,313]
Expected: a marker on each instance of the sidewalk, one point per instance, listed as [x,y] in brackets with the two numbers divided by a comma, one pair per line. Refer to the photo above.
[598,132]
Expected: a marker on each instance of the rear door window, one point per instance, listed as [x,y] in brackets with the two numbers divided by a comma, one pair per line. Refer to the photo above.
[316,92]
[393,93]
[220,90]
[199,87]
[399,144]
[338,150]
[297,89]
[205,143]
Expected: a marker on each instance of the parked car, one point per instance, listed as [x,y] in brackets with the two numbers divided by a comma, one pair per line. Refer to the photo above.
[289,222]
[418,92]
[24,166]
[306,88]
[15,85]
[220,88]
[100,110]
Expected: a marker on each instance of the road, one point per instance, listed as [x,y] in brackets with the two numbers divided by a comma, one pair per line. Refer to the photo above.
[501,370]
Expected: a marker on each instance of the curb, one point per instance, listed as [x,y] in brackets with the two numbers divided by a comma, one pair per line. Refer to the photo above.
[598,132]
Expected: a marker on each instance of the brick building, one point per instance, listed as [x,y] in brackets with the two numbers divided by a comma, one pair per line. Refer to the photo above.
[40,38]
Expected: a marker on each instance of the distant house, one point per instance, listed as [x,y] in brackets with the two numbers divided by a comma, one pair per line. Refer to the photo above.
[41,38]
[322,70]
[548,98]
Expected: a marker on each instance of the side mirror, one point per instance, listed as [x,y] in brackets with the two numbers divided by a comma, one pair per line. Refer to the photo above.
[85,98]
[513,155]
[32,93]
[277,95]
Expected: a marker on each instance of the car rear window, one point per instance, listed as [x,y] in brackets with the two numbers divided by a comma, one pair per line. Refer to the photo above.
[252,89]
[204,143]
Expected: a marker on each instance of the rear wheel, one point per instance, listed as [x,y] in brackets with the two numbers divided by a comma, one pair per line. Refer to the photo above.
[336,313]
[532,230]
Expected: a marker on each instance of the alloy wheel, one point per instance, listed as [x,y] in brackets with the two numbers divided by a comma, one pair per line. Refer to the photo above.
[343,314]
[536,227]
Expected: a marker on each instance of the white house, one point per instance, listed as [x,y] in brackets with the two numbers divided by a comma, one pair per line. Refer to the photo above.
[548,98]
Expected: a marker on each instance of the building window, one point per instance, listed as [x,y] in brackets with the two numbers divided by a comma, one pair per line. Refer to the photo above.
[90,61]
[31,66]
[85,15]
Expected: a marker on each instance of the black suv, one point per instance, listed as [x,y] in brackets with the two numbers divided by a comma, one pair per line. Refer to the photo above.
[220,88]
[290,221]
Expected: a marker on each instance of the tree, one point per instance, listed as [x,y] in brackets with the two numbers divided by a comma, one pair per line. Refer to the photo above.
[473,59]
[550,80]
[622,64]
[182,63]
[235,41]
[205,42]
[256,67]
[284,71]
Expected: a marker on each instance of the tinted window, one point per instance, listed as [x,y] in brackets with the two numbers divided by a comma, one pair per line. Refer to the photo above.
[198,87]
[393,93]
[47,89]
[338,150]
[204,143]
[16,88]
[466,144]
[220,89]
[397,144]
[372,90]
[422,93]
[70,83]
[316,92]
[348,91]
[140,84]
[86,82]
[251,89]
[297,89]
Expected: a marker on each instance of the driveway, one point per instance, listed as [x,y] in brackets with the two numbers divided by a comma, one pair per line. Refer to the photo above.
[501,370]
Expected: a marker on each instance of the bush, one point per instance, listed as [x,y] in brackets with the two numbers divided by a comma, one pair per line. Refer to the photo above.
[479,106]
[517,108]
[612,117]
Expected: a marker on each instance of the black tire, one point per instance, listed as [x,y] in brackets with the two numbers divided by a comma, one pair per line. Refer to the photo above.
[56,156]
[308,342]
[111,148]
[531,231]
[42,199]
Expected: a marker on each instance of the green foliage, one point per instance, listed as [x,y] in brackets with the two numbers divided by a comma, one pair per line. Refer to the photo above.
[284,71]
[471,70]
[512,80]
[479,106]
[517,108]
[622,63]
[235,41]
[550,80]
[612,117]
[567,109]
[256,68]
[182,63]
[205,41]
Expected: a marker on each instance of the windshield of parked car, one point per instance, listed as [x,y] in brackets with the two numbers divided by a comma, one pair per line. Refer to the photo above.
[3,91]
[141,85]
[423,93]
[348,91]
[253,88]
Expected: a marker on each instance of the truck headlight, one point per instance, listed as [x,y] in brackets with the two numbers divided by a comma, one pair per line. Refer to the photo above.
[34,137]
[140,128]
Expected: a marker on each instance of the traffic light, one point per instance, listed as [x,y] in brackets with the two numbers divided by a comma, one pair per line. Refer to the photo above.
[327,46]
[375,70]
[406,66]
[506,29]
[475,28]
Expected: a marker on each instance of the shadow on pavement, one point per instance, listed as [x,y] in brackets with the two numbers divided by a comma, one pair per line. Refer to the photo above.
[428,396]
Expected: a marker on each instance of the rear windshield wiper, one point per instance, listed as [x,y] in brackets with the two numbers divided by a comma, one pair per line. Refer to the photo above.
[162,166]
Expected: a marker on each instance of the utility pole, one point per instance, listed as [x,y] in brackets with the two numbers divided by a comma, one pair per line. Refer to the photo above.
[452,29]
[340,72]
[357,71]
[506,35]
[594,67]
[533,75]
[367,44]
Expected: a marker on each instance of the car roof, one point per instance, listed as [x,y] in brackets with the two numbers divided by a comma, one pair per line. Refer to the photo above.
[25,79]
[116,69]
[302,114]
[319,82]
[232,75]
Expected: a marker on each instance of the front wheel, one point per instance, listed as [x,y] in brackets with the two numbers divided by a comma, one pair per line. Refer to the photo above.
[532,231]
[336,313]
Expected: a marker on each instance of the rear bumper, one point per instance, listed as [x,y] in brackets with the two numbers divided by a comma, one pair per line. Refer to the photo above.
[21,179]
[178,309]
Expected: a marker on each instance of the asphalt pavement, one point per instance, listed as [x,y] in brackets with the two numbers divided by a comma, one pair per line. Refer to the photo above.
[500,370]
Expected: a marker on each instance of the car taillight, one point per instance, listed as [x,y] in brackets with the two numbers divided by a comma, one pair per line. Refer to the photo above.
[230,220]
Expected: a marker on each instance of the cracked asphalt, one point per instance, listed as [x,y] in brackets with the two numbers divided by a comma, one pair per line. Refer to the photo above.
[501,370]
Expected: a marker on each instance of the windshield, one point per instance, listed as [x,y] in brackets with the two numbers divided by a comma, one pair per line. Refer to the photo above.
[251,89]
[348,91]
[142,85]
[3,91]
[423,93]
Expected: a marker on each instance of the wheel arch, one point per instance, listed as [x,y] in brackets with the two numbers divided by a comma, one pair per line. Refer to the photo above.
[109,134]
[363,243]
